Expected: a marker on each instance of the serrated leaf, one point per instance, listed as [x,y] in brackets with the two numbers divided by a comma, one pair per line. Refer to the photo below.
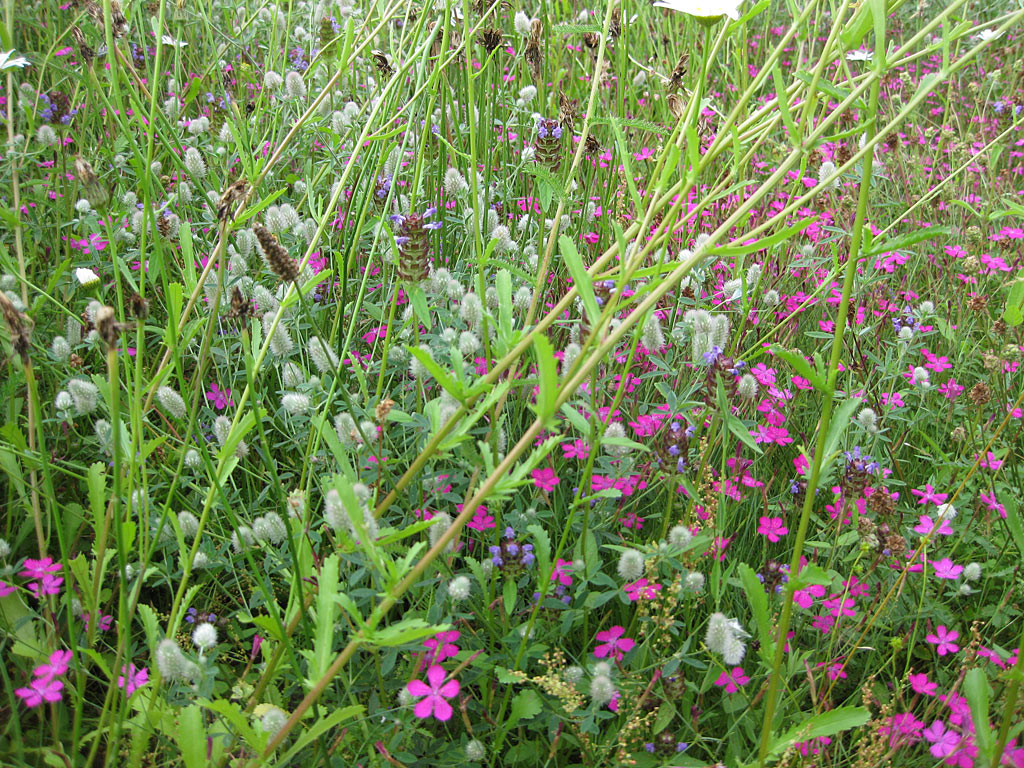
[192,737]
[440,375]
[405,631]
[541,548]
[526,704]
[799,364]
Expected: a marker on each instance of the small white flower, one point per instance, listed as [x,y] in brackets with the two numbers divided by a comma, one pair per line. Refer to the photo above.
[860,55]
[86,277]
[168,40]
[987,34]
[8,60]
[205,636]
[703,9]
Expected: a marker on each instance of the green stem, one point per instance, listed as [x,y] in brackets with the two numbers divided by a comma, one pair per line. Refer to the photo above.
[771,699]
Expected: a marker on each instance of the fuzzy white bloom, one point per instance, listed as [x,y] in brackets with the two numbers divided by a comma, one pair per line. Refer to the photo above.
[828,168]
[602,690]
[472,311]
[475,751]
[295,86]
[945,512]
[528,93]
[270,527]
[653,337]
[46,135]
[926,308]
[725,636]
[972,572]
[442,521]
[272,81]
[522,22]
[192,459]
[680,536]
[295,403]
[416,368]
[170,660]
[205,636]
[860,55]
[172,402]
[281,343]
[868,420]
[631,565]
[273,720]
[194,164]
[242,538]
[5,549]
[201,560]
[63,401]
[188,523]
[615,430]
[324,358]
[694,581]
[60,349]
[455,184]
[85,394]
[334,510]
[921,378]
[459,588]
[747,387]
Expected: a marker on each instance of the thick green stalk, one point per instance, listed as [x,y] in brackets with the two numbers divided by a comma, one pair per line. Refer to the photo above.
[771,699]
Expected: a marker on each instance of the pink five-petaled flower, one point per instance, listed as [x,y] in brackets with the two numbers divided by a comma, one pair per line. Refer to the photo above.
[642,589]
[928,495]
[56,665]
[48,585]
[39,569]
[946,568]
[132,678]
[39,690]
[221,398]
[773,528]
[545,479]
[434,694]
[613,644]
[441,647]
[732,680]
[921,684]
[7,589]
[944,742]
[943,639]
[561,573]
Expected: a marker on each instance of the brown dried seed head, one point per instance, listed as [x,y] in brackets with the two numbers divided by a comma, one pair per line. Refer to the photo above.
[18,329]
[277,257]
[383,409]
[106,326]
[676,105]
[138,306]
[235,192]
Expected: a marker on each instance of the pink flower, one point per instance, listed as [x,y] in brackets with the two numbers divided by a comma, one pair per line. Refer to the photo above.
[943,639]
[39,569]
[221,398]
[7,589]
[56,666]
[928,527]
[944,742]
[732,681]
[545,479]
[989,500]
[921,684]
[991,462]
[48,585]
[434,694]
[441,647]
[103,624]
[132,678]
[40,690]
[482,520]
[928,495]
[946,568]
[838,605]
[612,645]
[773,528]
[576,450]
[641,588]
[561,573]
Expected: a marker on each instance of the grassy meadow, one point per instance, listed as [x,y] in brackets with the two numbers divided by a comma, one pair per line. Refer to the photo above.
[476,383]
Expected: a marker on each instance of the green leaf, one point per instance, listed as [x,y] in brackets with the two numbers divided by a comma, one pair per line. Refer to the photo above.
[799,364]
[666,712]
[741,249]
[541,548]
[580,278]
[904,241]
[526,704]
[841,420]
[418,299]
[1013,523]
[979,695]
[192,737]
[878,14]
[783,105]
[759,605]
[323,637]
[547,365]
[405,631]
[508,594]
[577,419]
[734,423]
[440,375]
[824,724]
[856,29]
[232,712]
[1013,314]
